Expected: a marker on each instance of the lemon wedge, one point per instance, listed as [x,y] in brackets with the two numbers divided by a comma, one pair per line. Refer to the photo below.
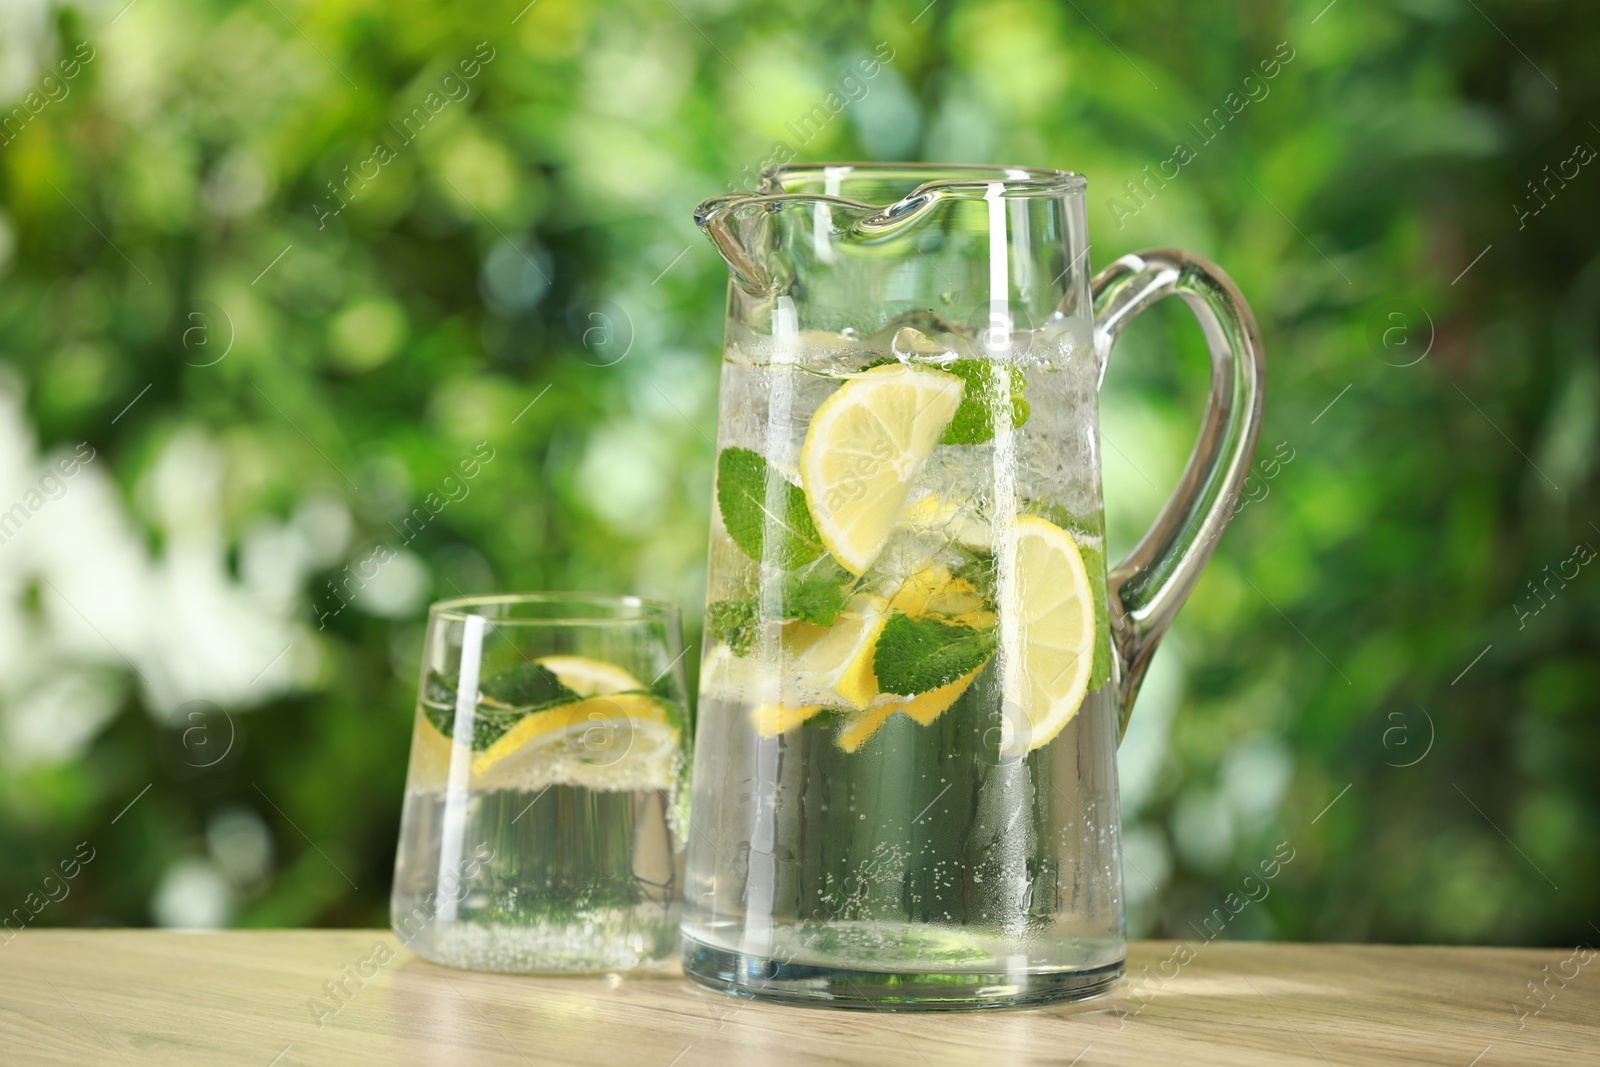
[773,719]
[1048,658]
[933,590]
[838,658]
[589,677]
[926,707]
[864,447]
[955,521]
[608,743]
[430,756]
[860,728]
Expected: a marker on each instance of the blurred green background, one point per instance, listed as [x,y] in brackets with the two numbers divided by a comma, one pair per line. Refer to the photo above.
[278,340]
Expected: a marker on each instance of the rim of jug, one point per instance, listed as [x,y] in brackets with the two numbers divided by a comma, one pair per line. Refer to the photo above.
[914,181]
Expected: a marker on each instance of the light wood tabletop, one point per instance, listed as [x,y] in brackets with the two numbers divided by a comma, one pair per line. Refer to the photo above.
[258,998]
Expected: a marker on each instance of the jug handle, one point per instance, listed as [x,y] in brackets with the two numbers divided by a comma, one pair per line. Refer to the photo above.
[1146,590]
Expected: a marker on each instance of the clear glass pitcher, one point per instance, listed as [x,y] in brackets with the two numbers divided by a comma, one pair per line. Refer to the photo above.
[917,666]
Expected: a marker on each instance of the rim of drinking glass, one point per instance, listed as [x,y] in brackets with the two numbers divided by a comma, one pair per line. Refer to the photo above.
[456,609]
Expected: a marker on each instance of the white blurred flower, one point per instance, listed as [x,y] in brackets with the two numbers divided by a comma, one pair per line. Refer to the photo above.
[194,894]
[1254,774]
[1143,752]
[1146,868]
[24,33]
[241,844]
[623,477]
[177,621]
[1203,828]
[324,521]
[53,715]
[398,589]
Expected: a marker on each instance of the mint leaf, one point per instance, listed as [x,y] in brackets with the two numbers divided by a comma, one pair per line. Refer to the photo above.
[438,690]
[503,700]
[1055,514]
[981,406]
[672,710]
[1094,562]
[527,686]
[443,718]
[488,723]
[733,622]
[815,594]
[977,568]
[916,655]
[743,478]
[818,593]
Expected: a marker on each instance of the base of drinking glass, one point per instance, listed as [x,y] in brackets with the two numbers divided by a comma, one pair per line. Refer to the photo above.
[764,978]
[607,942]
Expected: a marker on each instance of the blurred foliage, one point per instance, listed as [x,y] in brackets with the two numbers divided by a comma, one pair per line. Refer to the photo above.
[282,339]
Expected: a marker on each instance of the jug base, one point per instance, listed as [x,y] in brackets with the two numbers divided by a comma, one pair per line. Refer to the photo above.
[768,979]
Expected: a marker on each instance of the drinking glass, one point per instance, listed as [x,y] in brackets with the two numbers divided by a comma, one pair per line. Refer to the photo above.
[541,831]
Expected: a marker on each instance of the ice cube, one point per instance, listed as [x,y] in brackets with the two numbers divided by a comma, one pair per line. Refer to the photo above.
[922,336]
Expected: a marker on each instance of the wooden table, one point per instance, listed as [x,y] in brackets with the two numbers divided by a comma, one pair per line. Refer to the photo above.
[146,997]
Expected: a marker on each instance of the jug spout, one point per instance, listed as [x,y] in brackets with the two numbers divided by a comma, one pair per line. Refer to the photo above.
[843,232]
[734,225]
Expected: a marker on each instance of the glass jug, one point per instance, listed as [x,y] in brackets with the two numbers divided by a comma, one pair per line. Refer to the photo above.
[917,667]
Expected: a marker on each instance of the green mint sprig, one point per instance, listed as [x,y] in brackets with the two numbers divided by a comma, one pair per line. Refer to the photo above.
[733,622]
[818,593]
[814,594]
[504,699]
[1095,563]
[982,407]
[743,482]
[916,655]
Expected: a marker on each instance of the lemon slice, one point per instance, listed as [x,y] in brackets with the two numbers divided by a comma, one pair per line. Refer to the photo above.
[1050,651]
[733,678]
[589,677]
[831,666]
[933,590]
[824,666]
[925,707]
[773,719]
[607,743]
[429,767]
[864,446]
[955,521]
[838,658]
[860,728]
